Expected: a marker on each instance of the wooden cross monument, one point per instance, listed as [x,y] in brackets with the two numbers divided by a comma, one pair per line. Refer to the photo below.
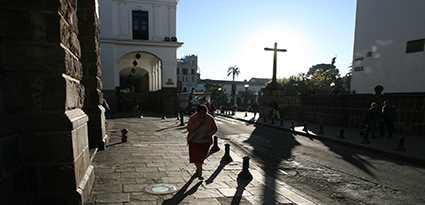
[274,60]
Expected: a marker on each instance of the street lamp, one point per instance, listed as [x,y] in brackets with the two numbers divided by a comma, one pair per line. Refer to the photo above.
[246,100]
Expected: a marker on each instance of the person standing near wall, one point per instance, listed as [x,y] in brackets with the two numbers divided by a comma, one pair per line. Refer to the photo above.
[275,110]
[388,116]
[372,116]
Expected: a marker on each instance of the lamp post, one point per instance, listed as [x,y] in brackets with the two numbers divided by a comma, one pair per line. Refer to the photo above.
[246,100]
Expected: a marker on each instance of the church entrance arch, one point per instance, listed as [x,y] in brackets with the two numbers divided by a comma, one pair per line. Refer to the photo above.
[139,76]
[139,72]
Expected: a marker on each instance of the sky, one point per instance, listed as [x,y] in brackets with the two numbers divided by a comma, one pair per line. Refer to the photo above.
[224,33]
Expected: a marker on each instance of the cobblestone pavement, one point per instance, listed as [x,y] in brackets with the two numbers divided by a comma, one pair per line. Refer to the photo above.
[156,154]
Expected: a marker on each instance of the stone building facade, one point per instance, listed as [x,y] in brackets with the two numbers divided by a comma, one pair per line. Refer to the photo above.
[49,89]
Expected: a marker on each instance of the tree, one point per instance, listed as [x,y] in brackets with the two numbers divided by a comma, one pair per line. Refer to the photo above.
[234,71]
[218,93]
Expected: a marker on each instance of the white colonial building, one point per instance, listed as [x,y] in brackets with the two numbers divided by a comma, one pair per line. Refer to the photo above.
[254,85]
[138,50]
[389,46]
[188,73]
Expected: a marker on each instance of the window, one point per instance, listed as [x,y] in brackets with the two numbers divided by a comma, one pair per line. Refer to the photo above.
[178,78]
[178,71]
[185,71]
[193,71]
[140,25]
[415,46]
[193,79]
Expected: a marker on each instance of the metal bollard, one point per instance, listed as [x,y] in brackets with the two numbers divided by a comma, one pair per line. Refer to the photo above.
[163,116]
[281,122]
[292,127]
[321,130]
[246,113]
[341,133]
[215,147]
[272,120]
[245,174]
[401,145]
[264,119]
[124,135]
[226,157]
[181,119]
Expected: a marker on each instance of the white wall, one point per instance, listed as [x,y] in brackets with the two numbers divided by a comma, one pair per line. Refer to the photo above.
[383,27]
[117,40]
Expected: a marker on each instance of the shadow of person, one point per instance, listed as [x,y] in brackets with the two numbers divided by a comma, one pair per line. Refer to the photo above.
[242,183]
[181,194]
[116,143]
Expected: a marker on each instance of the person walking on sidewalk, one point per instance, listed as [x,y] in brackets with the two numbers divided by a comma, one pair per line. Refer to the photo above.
[201,128]
[388,116]
[372,116]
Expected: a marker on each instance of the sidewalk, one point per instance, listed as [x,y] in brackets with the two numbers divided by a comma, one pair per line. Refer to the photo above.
[154,160]
[414,144]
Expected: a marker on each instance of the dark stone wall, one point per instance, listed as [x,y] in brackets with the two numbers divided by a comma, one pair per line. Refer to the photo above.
[350,110]
[88,24]
[44,157]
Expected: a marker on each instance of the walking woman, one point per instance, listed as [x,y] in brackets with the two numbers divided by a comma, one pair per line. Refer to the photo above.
[201,128]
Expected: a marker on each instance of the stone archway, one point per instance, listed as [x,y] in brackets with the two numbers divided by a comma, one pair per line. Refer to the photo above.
[139,72]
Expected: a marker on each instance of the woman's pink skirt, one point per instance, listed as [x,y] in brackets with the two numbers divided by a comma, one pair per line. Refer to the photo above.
[198,152]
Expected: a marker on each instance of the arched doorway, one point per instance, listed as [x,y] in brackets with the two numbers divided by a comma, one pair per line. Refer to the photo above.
[139,72]
[139,77]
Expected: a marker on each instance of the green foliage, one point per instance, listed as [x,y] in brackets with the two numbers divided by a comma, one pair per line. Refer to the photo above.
[245,96]
[321,79]
[218,93]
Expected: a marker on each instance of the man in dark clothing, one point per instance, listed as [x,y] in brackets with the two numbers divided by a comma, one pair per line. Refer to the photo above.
[388,116]
[255,108]
[372,116]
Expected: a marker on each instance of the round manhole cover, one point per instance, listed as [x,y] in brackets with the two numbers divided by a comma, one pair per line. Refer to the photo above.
[160,189]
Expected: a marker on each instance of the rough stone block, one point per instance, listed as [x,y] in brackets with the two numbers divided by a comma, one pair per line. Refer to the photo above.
[10,154]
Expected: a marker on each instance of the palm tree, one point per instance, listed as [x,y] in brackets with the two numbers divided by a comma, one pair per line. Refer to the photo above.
[234,71]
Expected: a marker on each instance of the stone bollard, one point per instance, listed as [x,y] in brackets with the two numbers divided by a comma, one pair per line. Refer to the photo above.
[245,174]
[321,130]
[401,145]
[305,127]
[181,119]
[292,127]
[226,157]
[215,147]
[281,122]
[124,135]
[341,133]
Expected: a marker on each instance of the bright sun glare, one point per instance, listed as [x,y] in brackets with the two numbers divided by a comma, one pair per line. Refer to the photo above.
[258,62]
